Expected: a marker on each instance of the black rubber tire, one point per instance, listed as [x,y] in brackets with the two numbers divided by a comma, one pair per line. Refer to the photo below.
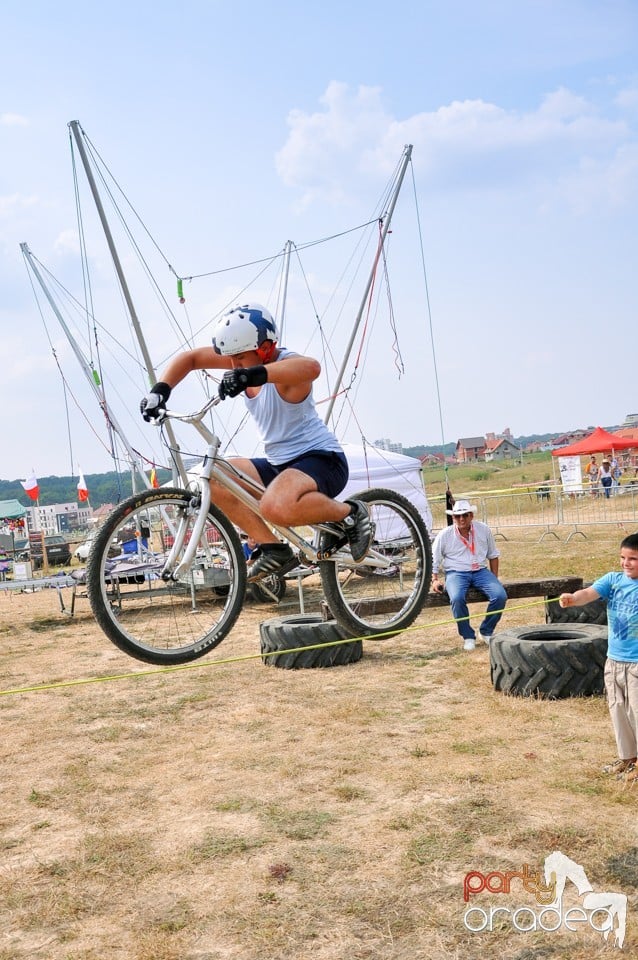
[165,622]
[594,612]
[298,631]
[269,590]
[549,662]
[346,595]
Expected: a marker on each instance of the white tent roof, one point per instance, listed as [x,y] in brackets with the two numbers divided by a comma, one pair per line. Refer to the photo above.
[373,467]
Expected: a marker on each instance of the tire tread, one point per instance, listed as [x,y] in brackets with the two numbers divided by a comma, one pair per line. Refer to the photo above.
[548,661]
[280,635]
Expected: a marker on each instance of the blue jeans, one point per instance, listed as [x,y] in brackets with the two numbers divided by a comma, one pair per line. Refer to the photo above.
[457,584]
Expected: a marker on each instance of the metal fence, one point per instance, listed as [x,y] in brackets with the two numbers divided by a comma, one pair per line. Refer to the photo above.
[550,511]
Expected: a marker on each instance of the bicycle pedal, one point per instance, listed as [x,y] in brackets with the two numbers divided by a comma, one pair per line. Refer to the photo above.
[330,544]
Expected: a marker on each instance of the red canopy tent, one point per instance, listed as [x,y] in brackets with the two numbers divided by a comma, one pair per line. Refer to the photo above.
[599,441]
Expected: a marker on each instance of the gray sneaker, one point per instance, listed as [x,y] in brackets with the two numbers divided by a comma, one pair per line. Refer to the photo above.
[358,530]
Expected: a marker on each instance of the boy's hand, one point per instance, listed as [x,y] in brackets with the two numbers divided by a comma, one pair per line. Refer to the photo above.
[154,404]
[236,381]
[566,600]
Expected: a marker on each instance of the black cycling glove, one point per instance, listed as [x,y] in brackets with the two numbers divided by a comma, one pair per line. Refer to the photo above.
[235,381]
[154,404]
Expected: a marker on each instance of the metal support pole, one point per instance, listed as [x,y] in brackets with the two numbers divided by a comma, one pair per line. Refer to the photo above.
[75,129]
[386,226]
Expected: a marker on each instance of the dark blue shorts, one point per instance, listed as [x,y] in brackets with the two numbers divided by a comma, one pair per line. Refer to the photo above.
[328,470]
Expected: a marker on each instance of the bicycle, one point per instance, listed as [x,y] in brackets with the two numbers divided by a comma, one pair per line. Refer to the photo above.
[179,583]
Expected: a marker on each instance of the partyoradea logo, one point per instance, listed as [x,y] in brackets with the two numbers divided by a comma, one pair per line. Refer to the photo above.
[604,912]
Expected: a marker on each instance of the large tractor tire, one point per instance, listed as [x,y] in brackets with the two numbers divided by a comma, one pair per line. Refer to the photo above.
[594,612]
[549,662]
[281,636]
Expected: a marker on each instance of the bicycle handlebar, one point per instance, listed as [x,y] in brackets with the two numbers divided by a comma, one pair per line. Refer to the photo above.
[195,417]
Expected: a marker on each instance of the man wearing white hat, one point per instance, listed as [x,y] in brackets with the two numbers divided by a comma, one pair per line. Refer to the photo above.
[468,555]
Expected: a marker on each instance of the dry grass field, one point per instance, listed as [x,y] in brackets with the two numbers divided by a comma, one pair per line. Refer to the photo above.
[233,811]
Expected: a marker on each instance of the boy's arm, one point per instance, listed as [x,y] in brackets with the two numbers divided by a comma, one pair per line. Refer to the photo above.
[154,403]
[293,377]
[202,358]
[580,597]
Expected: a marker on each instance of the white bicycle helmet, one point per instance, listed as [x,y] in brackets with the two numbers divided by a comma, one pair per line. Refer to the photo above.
[244,328]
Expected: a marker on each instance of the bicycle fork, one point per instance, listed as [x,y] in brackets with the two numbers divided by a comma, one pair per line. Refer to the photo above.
[198,507]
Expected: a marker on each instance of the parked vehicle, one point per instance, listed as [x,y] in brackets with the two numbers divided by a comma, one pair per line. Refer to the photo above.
[83,549]
[57,548]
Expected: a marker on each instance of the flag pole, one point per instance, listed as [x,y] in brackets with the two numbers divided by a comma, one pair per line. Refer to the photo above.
[45,559]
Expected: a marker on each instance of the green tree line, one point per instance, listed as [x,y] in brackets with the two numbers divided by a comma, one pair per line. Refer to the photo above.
[103,488]
[112,487]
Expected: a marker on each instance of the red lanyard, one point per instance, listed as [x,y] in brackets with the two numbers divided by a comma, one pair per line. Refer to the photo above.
[468,543]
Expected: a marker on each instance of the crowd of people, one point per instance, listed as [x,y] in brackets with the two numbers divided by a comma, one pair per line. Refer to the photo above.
[604,477]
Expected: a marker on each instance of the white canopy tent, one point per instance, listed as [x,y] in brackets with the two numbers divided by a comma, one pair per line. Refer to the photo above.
[372,467]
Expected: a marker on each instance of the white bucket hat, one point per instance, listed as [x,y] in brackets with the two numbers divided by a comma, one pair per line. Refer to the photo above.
[461,506]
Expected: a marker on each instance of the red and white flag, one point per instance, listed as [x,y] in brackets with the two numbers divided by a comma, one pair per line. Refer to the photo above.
[31,486]
[83,490]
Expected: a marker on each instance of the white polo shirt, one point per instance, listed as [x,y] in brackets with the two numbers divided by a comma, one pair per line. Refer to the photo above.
[449,552]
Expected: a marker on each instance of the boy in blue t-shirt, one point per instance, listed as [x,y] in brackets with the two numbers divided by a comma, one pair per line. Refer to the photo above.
[620,590]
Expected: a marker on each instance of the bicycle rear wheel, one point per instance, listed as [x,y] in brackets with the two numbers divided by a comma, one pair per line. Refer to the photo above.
[156,620]
[385,592]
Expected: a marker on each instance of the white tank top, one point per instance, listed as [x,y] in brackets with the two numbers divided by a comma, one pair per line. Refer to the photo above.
[288,430]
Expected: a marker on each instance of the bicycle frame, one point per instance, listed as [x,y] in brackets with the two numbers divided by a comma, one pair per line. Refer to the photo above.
[248,491]
[173,601]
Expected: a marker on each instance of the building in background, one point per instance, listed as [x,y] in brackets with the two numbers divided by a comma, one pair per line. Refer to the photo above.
[469,449]
[501,449]
[59,518]
[390,445]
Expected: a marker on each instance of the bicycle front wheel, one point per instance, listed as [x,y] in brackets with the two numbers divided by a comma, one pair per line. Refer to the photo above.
[165,621]
[384,593]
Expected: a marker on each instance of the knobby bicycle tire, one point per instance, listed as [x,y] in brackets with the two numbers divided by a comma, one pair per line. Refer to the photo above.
[367,600]
[158,621]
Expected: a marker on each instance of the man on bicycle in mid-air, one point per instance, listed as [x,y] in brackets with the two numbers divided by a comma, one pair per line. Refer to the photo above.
[304,467]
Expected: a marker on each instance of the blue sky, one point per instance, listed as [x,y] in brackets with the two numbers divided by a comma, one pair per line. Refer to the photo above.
[233,128]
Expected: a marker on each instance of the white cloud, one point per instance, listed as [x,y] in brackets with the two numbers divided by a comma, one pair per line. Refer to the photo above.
[67,242]
[15,201]
[628,99]
[611,184]
[322,144]
[469,144]
[13,120]
[20,364]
